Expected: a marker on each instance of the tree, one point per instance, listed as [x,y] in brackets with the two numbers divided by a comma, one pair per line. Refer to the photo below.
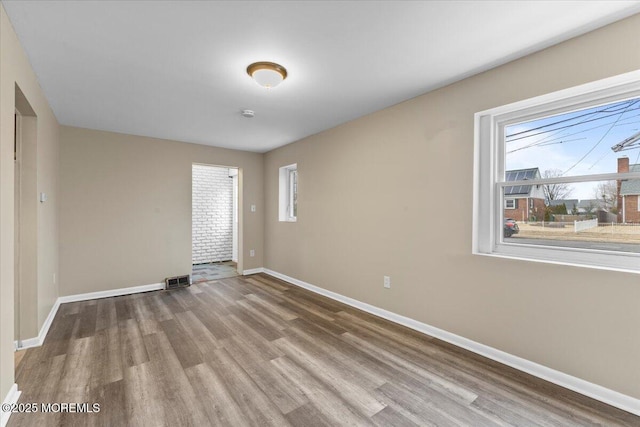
[559,209]
[555,191]
[607,191]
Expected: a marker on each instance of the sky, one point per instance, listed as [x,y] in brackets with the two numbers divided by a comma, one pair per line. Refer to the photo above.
[576,143]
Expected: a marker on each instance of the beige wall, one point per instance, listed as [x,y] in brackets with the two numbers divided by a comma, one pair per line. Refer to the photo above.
[391,194]
[15,69]
[126,208]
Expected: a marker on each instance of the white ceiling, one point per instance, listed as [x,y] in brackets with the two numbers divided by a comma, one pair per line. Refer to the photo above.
[176,69]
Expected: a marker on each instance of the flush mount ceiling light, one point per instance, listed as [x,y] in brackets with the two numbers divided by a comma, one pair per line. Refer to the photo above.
[267,74]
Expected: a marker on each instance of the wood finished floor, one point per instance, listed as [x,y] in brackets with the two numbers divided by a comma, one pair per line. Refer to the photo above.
[255,351]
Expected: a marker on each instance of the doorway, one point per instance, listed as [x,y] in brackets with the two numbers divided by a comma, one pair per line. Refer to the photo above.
[25,221]
[214,224]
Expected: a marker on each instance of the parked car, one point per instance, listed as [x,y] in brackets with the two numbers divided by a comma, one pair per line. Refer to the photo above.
[510,227]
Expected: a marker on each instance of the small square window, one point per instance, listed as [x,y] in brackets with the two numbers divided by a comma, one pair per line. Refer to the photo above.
[509,203]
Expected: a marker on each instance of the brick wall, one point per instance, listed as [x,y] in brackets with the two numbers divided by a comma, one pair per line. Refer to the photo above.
[212,204]
[524,211]
[631,209]
[539,208]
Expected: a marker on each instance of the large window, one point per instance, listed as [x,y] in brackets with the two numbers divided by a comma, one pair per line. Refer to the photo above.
[574,155]
[288,198]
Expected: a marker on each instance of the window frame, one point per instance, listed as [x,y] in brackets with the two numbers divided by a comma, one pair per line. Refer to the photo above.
[489,172]
[288,192]
[292,195]
[506,205]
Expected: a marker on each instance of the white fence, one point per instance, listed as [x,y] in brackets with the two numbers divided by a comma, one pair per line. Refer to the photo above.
[584,225]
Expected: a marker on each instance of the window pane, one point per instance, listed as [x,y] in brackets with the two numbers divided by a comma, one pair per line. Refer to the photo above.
[605,221]
[584,142]
[293,193]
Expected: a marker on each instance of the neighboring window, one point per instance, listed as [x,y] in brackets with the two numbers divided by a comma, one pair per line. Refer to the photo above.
[577,147]
[288,195]
[509,203]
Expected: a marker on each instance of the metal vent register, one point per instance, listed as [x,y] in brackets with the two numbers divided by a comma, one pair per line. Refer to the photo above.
[177,282]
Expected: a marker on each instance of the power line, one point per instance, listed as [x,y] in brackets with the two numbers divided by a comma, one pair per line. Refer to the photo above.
[575,124]
[599,141]
[605,110]
[543,141]
[544,144]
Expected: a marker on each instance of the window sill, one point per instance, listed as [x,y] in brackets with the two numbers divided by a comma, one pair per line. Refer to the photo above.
[572,257]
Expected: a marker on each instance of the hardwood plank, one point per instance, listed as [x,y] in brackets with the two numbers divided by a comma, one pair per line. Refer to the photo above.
[347,385]
[333,407]
[160,310]
[144,404]
[199,334]
[172,302]
[390,417]
[355,367]
[273,283]
[180,403]
[131,343]
[431,406]
[209,301]
[87,320]
[263,316]
[255,323]
[212,322]
[282,392]
[112,400]
[247,395]
[141,309]
[185,349]
[256,351]
[106,364]
[309,416]
[439,382]
[221,408]
[272,307]
[106,316]
[124,310]
[263,347]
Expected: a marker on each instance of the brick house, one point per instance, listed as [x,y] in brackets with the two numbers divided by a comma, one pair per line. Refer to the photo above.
[524,202]
[628,191]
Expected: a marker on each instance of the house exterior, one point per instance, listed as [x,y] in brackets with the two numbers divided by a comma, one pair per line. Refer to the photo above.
[628,192]
[524,202]
[570,204]
[590,206]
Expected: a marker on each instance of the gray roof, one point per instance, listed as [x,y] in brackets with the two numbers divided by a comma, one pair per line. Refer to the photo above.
[518,175]
[631,186]
[569,203]
[591,203]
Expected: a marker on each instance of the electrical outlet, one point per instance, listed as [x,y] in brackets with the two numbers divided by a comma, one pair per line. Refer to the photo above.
[253,208]
[252,252]
[387,282]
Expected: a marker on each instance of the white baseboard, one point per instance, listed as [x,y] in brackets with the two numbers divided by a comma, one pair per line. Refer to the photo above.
[111,293]
[597,392]
[253,271]
[12,397]
[37,341]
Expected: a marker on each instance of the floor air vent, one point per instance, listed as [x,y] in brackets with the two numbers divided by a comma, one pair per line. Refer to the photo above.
[177,282]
